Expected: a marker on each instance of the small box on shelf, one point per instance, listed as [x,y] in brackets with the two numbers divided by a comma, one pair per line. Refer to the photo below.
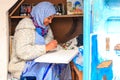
[25,9]
[60,9]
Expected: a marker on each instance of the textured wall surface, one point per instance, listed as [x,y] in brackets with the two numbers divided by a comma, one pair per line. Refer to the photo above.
[4,7]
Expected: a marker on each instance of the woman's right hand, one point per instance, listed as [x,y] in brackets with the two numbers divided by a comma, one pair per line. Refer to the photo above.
[51,45]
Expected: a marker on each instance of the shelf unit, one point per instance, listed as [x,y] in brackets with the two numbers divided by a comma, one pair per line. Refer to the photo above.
[61,24]
[57,16]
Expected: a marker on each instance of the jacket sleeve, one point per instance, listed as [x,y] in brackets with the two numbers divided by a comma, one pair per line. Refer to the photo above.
[25,47]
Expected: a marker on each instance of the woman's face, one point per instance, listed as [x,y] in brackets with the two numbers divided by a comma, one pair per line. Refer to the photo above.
[48,20]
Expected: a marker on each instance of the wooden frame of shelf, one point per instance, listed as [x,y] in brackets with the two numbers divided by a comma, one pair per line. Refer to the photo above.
[16,7]
[57,16]
[62,16]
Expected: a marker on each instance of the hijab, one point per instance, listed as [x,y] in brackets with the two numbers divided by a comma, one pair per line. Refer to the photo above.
[39,12]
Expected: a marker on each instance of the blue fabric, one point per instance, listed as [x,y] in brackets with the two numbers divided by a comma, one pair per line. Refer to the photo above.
[42,71]
[79,66]
[42,31]
[41,11]
[39,40]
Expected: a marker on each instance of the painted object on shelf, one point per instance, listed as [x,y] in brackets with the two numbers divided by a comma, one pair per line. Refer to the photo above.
[74,6]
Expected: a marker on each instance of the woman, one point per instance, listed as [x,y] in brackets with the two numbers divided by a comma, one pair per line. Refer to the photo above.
[29,43]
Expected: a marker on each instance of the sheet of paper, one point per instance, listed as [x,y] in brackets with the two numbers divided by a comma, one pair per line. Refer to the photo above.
[59,56]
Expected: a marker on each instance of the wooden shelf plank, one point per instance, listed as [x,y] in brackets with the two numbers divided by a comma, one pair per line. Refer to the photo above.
[62,16]
[18,16]
[57,16]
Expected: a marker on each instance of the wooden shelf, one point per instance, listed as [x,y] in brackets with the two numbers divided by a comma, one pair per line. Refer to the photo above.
[59,22]
[18,16]
[62,16]
[57,16]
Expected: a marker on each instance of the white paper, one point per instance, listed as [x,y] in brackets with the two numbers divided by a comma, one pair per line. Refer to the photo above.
[58,56]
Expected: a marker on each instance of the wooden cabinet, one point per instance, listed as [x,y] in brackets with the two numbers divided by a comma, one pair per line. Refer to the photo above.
[64,27]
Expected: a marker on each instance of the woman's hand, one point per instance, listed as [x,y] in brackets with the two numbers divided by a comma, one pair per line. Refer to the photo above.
[51,45]
[117,47]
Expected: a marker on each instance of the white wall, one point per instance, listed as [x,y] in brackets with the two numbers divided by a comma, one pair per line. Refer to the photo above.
[5,5]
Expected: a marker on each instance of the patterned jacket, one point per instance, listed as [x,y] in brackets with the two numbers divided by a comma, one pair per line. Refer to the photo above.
[24,47]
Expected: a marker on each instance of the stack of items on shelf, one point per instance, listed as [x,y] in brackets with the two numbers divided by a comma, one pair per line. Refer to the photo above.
[60,9]
[73,7]
[25,9]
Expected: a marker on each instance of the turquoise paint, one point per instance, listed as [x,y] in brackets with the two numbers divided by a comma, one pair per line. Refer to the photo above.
[86,56]
[99,18]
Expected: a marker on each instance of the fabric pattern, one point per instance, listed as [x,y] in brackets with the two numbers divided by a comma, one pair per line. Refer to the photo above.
[22,46]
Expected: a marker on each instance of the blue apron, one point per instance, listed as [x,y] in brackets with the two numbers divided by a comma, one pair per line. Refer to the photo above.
[42,71]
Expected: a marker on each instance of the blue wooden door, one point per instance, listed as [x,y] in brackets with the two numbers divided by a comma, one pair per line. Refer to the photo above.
[101,35]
